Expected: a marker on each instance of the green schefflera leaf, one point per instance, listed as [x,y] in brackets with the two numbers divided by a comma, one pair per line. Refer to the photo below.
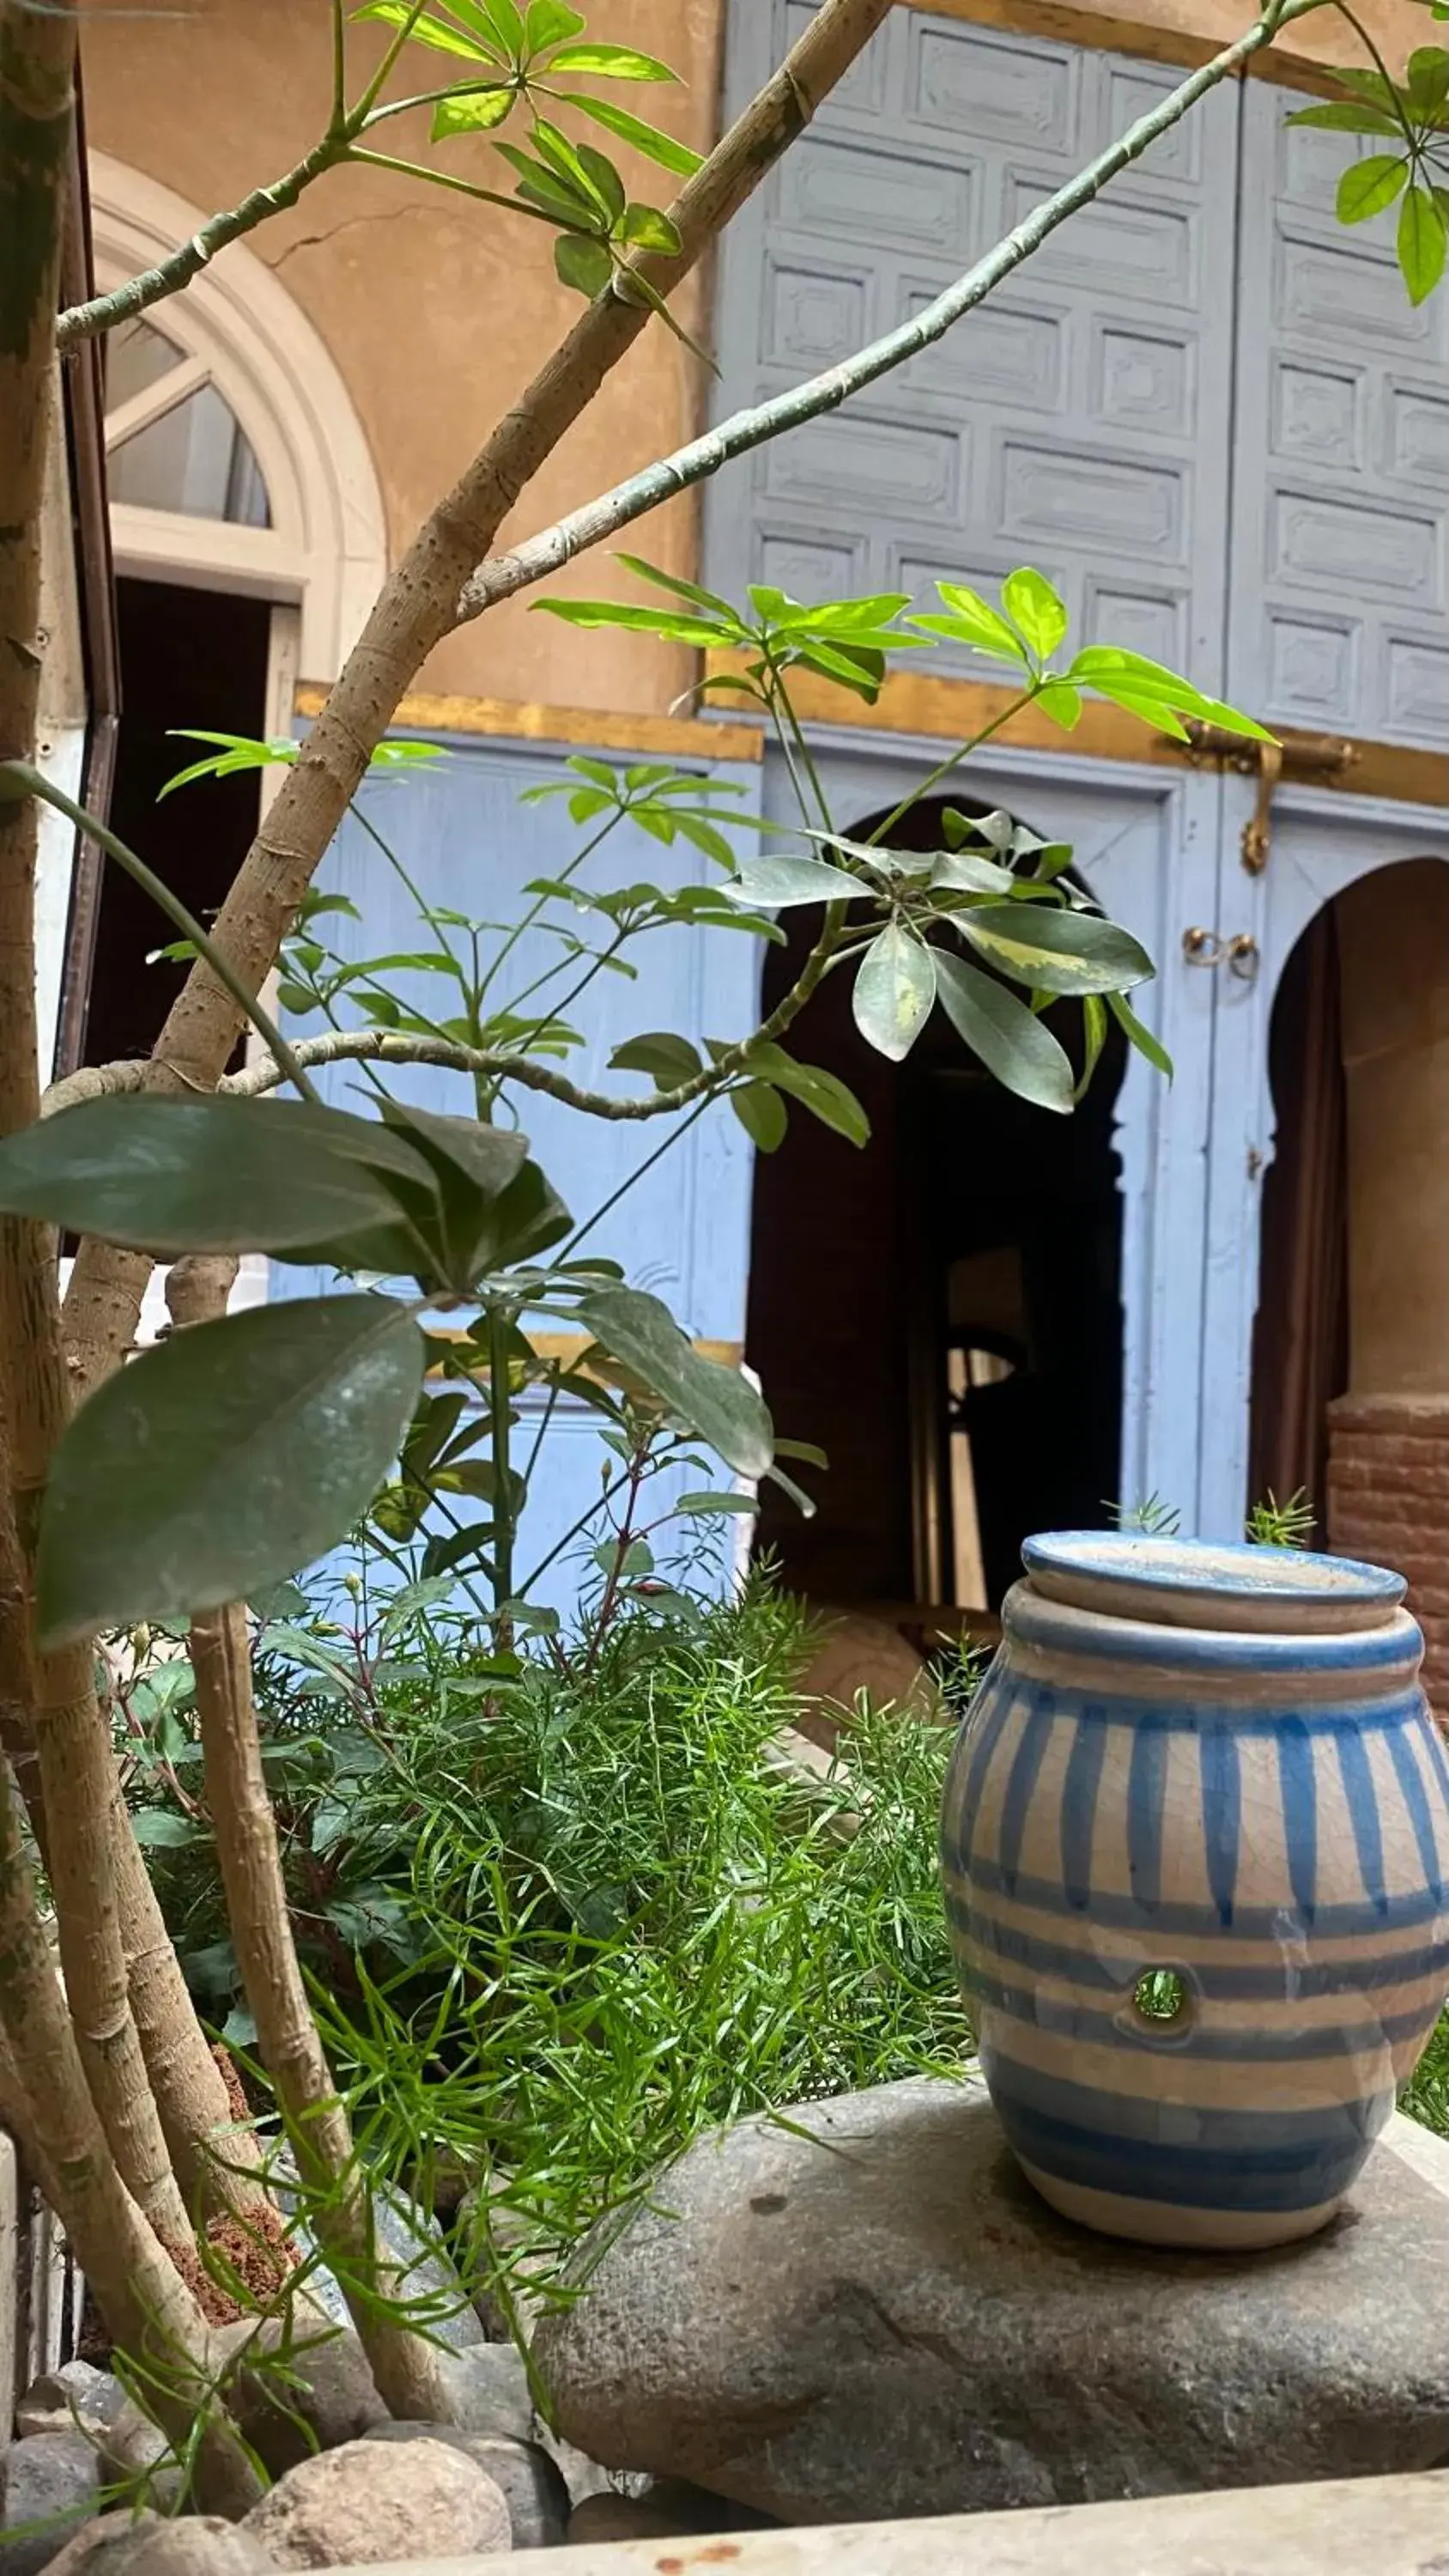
[1140,1036]
[772,885]
[216,1175]
[1056,952]
[1423,239]
[1009,1039]
[894,990]
[716,1403]
[1035,610]
[243,1449]
[762,1114]
[665,1057]
[823,1094]
[1367,187]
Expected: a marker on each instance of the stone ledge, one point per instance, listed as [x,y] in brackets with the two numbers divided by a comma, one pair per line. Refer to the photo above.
[1356,2527]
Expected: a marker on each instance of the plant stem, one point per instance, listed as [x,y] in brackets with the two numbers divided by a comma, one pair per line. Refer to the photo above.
[500,1407]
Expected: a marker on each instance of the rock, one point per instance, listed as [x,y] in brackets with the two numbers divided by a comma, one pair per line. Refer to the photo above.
[668,2509]
[123,2544]
[424,2271]
[854,1654]
[52,2481]
[372,2502]
[490,2391]
[73,2397]
[531,2485]
[892,2323]
[325,2380]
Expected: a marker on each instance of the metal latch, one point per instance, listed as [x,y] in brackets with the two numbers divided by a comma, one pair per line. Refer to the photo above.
[1298,755]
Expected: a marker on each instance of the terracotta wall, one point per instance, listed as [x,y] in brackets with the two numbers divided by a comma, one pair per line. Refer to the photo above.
[438,311]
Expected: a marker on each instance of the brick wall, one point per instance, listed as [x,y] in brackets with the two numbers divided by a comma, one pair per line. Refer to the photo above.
[1388,1501]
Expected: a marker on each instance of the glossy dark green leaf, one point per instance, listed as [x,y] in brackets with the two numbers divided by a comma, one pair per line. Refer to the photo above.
[717,1403]
[966,872]
[242,1450]
[895,987]
[161,1829]
[489,1157]
[1009,1039]
[527,1219]
[550,22]
[762,1114]
[1056,952]
[1427,80]
[668,1059]
[706,1504]
[210,1175]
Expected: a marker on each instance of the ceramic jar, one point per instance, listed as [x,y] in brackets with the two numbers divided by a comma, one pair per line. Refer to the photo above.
[1195,1845]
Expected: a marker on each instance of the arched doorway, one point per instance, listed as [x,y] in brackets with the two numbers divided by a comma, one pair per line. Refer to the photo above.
[940,1311]
[248,539]
[1350,1391]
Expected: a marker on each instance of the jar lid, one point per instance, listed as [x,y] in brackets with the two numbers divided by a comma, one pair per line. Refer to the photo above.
[1201,1583]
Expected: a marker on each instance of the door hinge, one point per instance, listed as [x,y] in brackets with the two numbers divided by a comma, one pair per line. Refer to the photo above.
[1298,755]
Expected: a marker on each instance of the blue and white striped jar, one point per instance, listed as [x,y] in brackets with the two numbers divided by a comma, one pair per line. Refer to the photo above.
[1212,1769]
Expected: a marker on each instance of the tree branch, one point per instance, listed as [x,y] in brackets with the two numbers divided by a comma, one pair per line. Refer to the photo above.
[153,285]
[702,457]
[499,1064]
[416,609]
[406,2367]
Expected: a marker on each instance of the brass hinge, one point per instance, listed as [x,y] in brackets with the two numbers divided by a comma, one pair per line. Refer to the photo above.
[1298,755]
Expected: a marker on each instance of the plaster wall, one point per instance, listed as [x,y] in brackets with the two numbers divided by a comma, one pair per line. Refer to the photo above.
[438,311]
[1394,944]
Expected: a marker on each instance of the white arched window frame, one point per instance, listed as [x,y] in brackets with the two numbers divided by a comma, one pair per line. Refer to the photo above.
[322,557]
[325,551]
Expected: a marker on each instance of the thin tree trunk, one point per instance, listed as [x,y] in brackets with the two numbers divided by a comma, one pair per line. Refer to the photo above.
[407,2369]
[146,2305]
[415,610]
[77,1774]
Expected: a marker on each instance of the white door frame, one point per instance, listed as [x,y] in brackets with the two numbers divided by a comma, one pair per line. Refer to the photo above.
[1322,843]
[1146,841]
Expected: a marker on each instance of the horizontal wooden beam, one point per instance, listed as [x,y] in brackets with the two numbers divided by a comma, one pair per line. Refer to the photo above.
[592,728]
[569,1348]
[1149,40]
[1354,2526]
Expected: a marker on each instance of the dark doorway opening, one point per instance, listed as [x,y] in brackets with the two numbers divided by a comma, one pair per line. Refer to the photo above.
[941,1311]
[1300,1331]
[188,657]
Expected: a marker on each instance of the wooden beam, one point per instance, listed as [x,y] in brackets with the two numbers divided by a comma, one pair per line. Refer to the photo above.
[1148,40]
[593,728]
[1355,2526]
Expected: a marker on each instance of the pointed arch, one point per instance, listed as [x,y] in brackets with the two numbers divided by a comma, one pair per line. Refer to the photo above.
[238,331]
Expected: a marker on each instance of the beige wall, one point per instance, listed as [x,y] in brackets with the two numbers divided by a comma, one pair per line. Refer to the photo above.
[1394,946]
[438,311]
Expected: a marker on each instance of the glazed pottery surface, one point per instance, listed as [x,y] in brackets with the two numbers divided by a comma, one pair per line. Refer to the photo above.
[1213,1769]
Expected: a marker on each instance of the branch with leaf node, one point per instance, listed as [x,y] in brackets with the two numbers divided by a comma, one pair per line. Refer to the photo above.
[538,63]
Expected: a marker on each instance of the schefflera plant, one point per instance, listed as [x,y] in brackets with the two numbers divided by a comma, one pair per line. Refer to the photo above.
[995,895]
